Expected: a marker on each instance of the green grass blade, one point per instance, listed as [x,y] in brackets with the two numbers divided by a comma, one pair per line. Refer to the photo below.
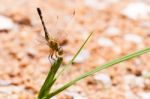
[72,60]
[74,57]
[50,79]
[108,64]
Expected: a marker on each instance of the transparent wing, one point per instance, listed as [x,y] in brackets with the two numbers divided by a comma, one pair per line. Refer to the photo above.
[62,27]
[40,40]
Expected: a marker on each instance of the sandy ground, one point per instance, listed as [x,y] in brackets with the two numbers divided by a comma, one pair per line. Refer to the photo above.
[120,27]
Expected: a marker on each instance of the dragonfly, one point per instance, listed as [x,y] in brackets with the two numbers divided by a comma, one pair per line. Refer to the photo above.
[54,45]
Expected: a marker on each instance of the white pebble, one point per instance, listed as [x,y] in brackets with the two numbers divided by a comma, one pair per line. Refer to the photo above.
[133,38]
[105,42]
[10,89]
[6,23]
[83,55]
[75,93]
[104,78]
[146,74]
[94,4]
[144,95]
[145,24]
[31,51]
[67,59]
[112,31]
[4,83]
[136,10]
[117,50]
[129,94]
[99,4]
[132,80]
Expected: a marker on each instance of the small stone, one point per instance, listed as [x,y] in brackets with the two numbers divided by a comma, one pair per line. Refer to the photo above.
[104,78]
[145,24]
[67,58]
[99,4]
[11,89]
[136,10]
[112,31]
[100,61]
[129,94]
[117,50]
[146,74]
[132,80]
[75,93]
[105,42]
[83,55]
[6,23]
[144,95]
[94,4]
[133,38]
[31,52]
[4,82]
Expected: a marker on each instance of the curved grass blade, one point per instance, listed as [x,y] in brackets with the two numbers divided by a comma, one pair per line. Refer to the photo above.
[108,64]
[74,57]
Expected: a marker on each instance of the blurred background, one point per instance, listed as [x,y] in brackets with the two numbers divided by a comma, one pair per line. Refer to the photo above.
[120,27]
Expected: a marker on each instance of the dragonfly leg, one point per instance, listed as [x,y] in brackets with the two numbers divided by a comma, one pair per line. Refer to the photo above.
[52,56]
[49,58]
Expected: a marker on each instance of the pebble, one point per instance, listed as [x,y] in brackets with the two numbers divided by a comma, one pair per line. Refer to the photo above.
[129,94]
[112,31]
[11,89]
[4,82]
[85,33]
[75,93]
[117,50]
[105,42]
[67,58]
[134,38]
[136,10]
[31,52]
[144,95]
[82,56]
[146,74]
[132,80]
[6,23]
[145,24]
[94,4]
[104,78]
[99,4]
[8,96]
[100,61]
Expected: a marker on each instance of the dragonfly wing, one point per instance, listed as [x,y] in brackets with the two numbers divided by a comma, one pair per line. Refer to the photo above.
[40,40]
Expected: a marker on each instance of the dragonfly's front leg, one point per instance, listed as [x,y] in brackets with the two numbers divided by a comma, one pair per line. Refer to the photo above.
[50,57]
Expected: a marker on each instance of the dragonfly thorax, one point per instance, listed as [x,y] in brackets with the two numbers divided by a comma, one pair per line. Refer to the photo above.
[53,45]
